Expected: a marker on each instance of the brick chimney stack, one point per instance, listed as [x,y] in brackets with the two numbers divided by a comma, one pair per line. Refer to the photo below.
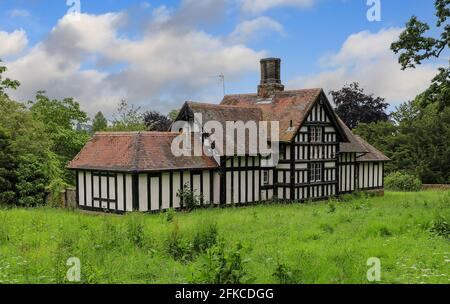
[270,77]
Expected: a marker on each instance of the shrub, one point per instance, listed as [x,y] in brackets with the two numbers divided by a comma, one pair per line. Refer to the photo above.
[327,228]
[110,236]
[440,227]
[135,229]
[190,200]
[283,274]
[177,247]
[331,207]
[223,267]
[170,215]
[4,231]
[205,236]
[31,182]
[384,231]
[399,181]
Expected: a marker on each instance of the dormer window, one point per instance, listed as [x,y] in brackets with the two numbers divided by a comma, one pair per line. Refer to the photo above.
[315,134]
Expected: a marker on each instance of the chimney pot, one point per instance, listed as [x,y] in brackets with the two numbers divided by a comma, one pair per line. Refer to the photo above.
[270,77]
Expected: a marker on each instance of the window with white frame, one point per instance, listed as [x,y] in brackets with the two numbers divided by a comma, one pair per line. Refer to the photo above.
[316,172]
[266,177]
[315,134]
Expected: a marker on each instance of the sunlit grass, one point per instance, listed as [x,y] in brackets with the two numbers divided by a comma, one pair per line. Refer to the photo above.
[318,243]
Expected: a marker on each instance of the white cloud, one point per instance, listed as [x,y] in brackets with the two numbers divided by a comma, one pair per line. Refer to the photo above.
[247,30]
[12,43]
[258,6]
[18,13]
[161,14]
[366,57]
[92,60]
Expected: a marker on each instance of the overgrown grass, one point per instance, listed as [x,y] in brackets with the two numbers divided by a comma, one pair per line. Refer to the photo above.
[325,242]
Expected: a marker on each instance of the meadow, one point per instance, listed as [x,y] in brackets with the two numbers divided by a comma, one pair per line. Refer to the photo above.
[316,242]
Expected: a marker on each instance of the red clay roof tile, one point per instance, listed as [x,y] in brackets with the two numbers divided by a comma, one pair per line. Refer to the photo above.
[135,152]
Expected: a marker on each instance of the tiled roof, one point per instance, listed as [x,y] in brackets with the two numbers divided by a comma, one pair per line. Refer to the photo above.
[284,106]
[224,113]
[373,154]
[135,152]
[353,145]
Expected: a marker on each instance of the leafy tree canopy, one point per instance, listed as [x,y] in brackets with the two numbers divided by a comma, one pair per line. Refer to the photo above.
[417,140]
[355,107]
[155,121]
[173,114]
[415,46]
[99,123]
[128,118]
[60,118]
[6,83]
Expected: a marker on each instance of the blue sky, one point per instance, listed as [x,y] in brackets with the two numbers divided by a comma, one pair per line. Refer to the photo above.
[160,53]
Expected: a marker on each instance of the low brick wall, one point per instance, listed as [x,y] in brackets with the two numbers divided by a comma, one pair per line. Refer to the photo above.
[66,199]
[436,186]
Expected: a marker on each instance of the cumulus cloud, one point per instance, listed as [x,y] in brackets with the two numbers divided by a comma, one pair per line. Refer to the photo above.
[258,6]
[248,29]
[158,70]
[366,57]
[12,43]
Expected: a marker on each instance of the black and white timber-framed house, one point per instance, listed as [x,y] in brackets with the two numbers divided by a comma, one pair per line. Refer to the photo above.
[320,157]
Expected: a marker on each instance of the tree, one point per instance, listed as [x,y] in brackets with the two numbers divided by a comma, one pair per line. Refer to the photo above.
[27,164]
[99,123]
[355,107]
[173,114]
[6,83]
[59,118]
[8,165]
[128,118]
[417,140]
[414,47]
[155,121]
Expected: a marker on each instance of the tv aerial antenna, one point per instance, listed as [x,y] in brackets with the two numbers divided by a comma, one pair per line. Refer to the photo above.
[221,78]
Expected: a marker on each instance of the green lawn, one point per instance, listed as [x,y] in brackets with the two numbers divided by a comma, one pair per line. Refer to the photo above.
[314,243]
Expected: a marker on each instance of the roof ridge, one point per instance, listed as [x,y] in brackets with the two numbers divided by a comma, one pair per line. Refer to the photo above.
[222,105]
[280,92]
[132,133]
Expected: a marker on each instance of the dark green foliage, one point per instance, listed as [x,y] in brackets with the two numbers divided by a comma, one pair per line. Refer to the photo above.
[135,229]
[415,46]
[384,231]
[354,106]
[6,83]
[99,123]
[8,165]
[205,236]
[190,199]
[441,227]
[169,215]
[222,266]
[399,181]
[331,207]
[417,141]
[36,143]
[155,121]
[283,274]
[177,247]
[59,118]
[31,182]
[185,250]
